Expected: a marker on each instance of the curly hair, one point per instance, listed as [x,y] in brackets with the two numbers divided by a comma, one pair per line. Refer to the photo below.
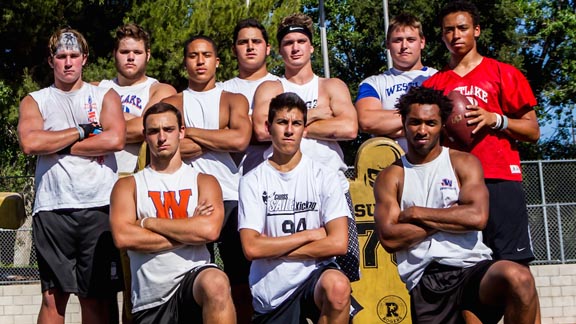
[423,95]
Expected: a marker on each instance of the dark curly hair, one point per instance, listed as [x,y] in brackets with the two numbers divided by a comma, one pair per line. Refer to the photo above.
[423,95]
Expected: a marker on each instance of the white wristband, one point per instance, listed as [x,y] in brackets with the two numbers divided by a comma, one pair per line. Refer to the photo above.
[498,121]
[504,123]
[142,222]
[80,133]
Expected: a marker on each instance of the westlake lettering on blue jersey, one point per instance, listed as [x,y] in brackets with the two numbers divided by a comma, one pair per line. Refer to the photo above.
[400,87]
[131,103]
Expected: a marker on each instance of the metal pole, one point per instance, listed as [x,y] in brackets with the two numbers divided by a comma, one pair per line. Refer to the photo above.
[324,41]
[544,210]
[386,23]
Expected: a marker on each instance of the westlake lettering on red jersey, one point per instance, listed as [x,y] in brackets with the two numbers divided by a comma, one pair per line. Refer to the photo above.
[474,92]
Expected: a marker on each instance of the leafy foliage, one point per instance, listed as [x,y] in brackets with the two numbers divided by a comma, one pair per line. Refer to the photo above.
[173,22]
[537,36]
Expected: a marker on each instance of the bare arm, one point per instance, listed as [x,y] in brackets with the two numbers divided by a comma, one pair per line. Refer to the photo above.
[259,246]
[392,234]
[188,148]
[32,136]
[113,134]
[134,127]
[200,229]
[235,127]
[125,226]
[335,242]
[344,123]
[262,97]
[471,212]
[159,91]
[524,128]
[35,140]
[375,120]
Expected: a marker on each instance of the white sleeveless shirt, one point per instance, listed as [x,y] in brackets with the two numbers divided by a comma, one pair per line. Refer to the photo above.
[435,185]
[134,99]
[247,88]
[202,110]
[156,276]
[328,153]
[254,154]
[71,181]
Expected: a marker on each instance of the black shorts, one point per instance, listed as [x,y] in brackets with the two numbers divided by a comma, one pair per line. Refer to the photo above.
[507,232]
[444,292]
[181,308]
[235,264]
[76,253]
[300,305]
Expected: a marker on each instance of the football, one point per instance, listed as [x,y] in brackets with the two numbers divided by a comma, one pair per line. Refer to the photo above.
[458,132]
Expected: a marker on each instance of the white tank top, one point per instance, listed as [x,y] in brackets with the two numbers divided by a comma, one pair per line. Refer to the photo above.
[202,110]
[254,154]
[327,153]
[435,185]
[134,100]
[156,276]
[70,181]
[247,88]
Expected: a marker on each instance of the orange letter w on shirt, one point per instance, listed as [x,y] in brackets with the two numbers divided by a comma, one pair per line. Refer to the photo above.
[169,207]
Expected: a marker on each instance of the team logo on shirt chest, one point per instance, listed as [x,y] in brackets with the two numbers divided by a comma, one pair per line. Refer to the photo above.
[168,206]
[131,103]
[446,184]
[90,107]
[281,203]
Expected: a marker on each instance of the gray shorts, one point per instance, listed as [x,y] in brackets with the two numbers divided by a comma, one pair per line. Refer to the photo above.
[76,253]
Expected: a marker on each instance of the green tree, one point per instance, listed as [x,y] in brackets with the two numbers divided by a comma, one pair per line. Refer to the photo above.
[24,29]
[172,22]
[549,35]
[536,36]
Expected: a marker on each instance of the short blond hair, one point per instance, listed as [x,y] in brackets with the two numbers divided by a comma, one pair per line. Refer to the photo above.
[404,20]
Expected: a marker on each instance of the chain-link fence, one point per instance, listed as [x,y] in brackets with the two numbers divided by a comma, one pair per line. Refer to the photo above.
[550,195]
[551,199]
[17,254]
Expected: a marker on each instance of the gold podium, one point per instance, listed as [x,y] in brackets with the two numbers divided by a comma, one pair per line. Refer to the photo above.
[12,211]
[379,290]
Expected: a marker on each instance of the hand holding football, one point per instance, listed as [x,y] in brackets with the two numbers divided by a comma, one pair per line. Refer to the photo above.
[459,133]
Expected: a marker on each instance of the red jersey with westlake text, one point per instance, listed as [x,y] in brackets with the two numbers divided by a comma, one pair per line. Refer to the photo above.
[496,87]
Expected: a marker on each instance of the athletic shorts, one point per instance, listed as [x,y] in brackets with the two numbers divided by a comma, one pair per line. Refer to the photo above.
[444,292]
[507,231]
[76,253]
[300,305]
[181,308]
[236,266]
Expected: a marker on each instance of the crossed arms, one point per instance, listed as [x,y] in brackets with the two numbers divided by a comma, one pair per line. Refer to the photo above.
[401,229]
[162,234]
